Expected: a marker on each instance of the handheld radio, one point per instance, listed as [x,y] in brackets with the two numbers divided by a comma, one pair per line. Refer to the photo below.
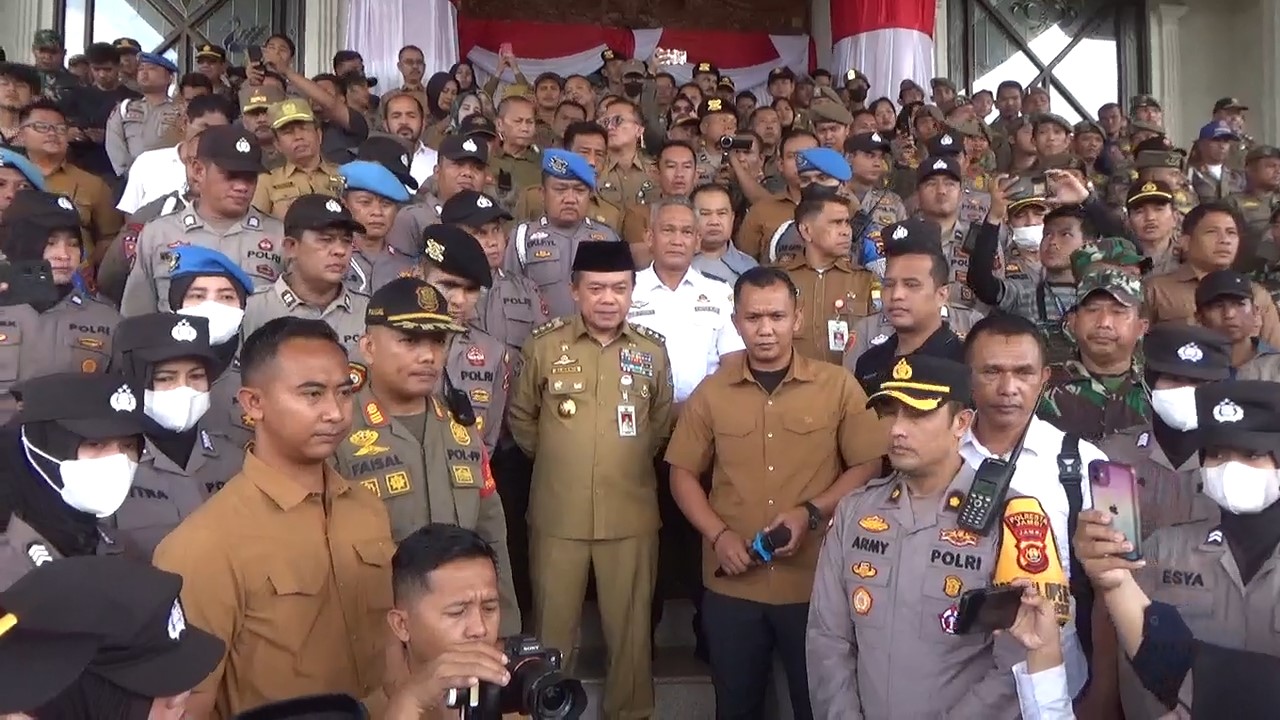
[991,484]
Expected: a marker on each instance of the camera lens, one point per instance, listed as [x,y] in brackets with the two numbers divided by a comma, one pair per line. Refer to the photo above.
[552,701]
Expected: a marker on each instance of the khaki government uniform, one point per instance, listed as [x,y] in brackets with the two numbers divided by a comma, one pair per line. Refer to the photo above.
[525,169]
[840,292]
[1172,296]
[345,314]
[769,453]
[761,222]
[72,336]
[622,185]
[593,501]
[530,207]
[94,201]
[480,366]
[136,126]
[296,583]
[544,253]
[405,235]
[1255,208]
[278,189]
[163,493]
[442,477]
[1210,189]
[253,244]
[888,585]
[509,311]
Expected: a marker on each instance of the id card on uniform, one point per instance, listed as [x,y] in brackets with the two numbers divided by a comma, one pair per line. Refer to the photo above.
[626,420]
[837,335]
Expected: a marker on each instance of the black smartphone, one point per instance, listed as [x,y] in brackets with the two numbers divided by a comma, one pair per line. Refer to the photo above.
[255,54]
[986,609]
[29,283]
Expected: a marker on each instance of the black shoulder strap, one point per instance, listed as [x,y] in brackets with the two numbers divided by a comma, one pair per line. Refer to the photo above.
[1044,317]
[1071,477]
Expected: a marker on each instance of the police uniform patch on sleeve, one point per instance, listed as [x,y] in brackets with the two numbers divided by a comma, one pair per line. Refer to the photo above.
[548,326]
[359,375]
[371,484]
[398,483]
[462,476]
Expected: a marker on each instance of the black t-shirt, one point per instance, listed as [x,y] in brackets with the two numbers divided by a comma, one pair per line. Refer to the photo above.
[770,379]
[875,364]
[338,145]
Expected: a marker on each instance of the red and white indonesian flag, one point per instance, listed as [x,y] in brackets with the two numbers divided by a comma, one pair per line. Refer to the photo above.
[887,40]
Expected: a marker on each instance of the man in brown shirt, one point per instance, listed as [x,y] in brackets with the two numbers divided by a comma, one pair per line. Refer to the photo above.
[304,170]
[289,564]
[767,217]
[786,438]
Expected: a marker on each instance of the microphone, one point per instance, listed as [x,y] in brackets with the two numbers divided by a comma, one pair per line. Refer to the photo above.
[764,545]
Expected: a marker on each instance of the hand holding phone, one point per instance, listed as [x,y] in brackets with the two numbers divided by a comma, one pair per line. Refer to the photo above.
[1115,490]
[988,609]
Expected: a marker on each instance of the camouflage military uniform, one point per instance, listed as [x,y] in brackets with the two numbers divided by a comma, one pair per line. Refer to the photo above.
[1077,402]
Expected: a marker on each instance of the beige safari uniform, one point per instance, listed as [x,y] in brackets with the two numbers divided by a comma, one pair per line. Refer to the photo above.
[443,477]
[889,579]
[279,188]
[163,493]
[1255,208]
[72,336]
[480,366]
[345,314]
[624,185]
[593,417]
[831,300]
[525,169]
[253,244]
[135,126]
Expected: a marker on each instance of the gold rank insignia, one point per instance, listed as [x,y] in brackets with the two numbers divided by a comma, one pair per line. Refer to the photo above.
[398,483]
[715,105]
[89,366]
[873,523]
[955,499]
[462,475]
[435,251]
[460,434]
[703,67]
[1149,187]
[373,414]
[864,570]
[952,586]
[902,371]
[427,298]
[365,442]
[371,484]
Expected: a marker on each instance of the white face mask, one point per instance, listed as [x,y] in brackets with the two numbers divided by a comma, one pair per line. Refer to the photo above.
[178,409]
[1176,406]
[1241,489]
[1029,237]
[224,320]
[97,486]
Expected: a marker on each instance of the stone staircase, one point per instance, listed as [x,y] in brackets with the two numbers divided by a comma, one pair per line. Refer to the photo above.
[682,683]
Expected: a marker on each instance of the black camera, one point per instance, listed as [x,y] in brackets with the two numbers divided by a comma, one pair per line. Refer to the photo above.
[736,142]
[538,688]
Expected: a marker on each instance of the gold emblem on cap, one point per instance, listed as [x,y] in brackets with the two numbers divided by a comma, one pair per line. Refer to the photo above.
[427,299]
[704,67]
[289,107]
[435,250]
[714,105]
[1149,187]
[902,371]
[567,408]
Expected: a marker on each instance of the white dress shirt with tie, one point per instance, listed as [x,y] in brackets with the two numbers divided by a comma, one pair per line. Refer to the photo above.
[695,318]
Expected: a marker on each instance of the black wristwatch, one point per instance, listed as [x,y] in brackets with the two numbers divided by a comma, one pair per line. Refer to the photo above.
[815,515]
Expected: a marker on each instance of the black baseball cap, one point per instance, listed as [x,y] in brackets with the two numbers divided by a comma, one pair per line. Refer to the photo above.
[113,616]
[457,252]
[45,210]
[157,337]
[924,382]
[389,152]
[866,142]
[1190,351]
[1241,414]
[319,212]
[477,124]
[913,232]
[231,148]
[947,143]
[463,147]
[94,406]
[1223,283]
[411,305]
[938,165]
[472,209]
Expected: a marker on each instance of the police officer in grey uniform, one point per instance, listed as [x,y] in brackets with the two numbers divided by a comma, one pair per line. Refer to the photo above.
[407,445]
[113,272]
[543,251]
[58,328]
[934,201]
[511,307]
[894,564]
[479,364]
[406,232]
[318,239]
[374,196]
[182,462]
[228,161]
[49,507]
[1164,452]
[141,124]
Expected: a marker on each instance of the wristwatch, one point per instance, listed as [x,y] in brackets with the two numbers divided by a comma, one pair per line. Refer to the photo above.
[815,515]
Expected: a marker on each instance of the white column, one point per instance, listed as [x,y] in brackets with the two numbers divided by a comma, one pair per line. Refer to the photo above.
[941,61]
[1267,117]
[22,18]
[1166,42]
[820,31]
[324,32]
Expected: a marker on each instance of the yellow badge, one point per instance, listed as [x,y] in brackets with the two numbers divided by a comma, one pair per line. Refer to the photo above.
[862,601]
[479,423]
[460,434]
[372,486]
[373,414]
[895,493]
[90,343]
[954,500]
[902,371]
[952,586]
[957,537]
[715,105]
[567,408]
[873,523]
[364,441]
[1028,549]
[89,366]
[427,299]
[462,475]
[864,570]
[398,483]
[480,395]
[1148,187]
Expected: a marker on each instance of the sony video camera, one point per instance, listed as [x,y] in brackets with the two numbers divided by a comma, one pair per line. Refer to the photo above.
[538,688]
[736,142]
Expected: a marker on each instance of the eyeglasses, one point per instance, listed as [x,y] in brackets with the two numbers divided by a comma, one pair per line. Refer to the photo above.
[45,128]
[613,121]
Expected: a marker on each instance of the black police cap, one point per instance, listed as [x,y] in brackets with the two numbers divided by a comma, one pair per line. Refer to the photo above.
[390,153]
[866,142]
[938,165]
[46,210]
[1223,283]
[946,144]
[472,209]
[411,305]
[1240,414]
[457,252]
[603,256]
[463,147]
[312,707]
[231,148]
[912,233]
[94,406]
[116,615]
[319,212]
[1190,351]
[157,337]
[924,382]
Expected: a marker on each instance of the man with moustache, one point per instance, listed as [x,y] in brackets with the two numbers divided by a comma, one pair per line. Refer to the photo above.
[462,165]
[402,114]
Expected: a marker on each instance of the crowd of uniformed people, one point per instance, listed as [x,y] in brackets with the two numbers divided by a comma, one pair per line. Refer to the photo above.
[357,386]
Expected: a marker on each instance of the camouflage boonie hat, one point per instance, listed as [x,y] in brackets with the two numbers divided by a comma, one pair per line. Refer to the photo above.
[1114,251]
[1125,288]
[47,38]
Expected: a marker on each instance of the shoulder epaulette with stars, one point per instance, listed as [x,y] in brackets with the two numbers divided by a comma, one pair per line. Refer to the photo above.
[653,335]
[546,327]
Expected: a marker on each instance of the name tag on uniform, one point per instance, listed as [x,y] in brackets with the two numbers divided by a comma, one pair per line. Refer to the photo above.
[837,334]
[626,420]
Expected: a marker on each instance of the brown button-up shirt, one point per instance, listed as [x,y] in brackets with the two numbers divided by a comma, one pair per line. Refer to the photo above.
[831,303]
[99,219]
[295,583]
[769,453]
[1173,297]
[628,184]
[279,188]
[763,220]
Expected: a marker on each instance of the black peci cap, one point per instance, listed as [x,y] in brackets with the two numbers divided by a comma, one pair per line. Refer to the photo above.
[114,616]
[95,406]
[312,707]
[143,340]
[924,382]
[411,305]
[1240,414]
[391,154]
[457,252]
[603,256]
[231,148]
[1190,351]
[472,209]
[46,210]
[320,212]
[463,147]
[1222,283]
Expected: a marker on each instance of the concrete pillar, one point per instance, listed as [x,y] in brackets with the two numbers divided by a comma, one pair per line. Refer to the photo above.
[941,58]
[1166,59]
[21,20]
[324,33]
[820,31]
[1266,117]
